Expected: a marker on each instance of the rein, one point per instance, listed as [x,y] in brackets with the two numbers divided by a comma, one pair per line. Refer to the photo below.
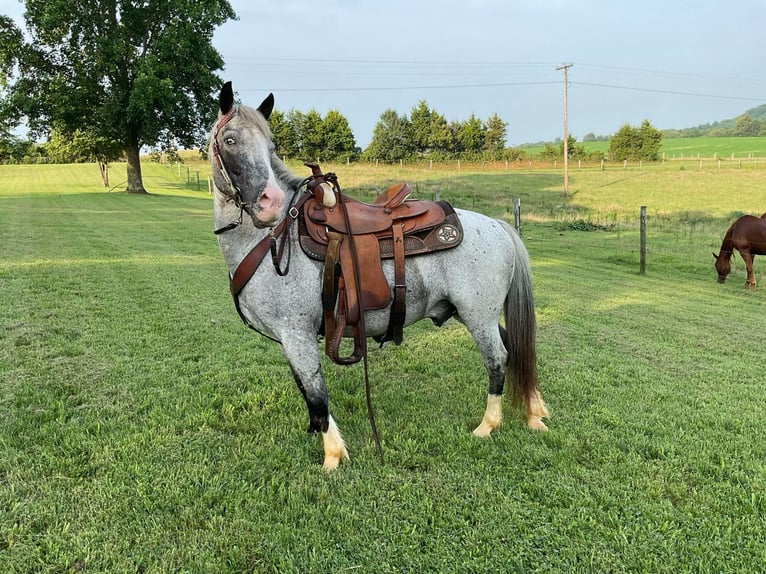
[332,179]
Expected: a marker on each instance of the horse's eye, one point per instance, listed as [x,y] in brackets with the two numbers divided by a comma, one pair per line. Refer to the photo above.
[229,141]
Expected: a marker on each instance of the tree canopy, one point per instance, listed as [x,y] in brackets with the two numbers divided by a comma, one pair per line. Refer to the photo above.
[390,138]
[636,143]
[121,73]
[310,137]
[426,134]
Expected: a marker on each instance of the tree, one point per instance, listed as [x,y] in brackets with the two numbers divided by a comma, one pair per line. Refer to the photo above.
[284,136]
[429,131]
[651,141]
[746,125]
[636,143]
[441,139]
[126,73]
[390,138]
[494,136]
[312,136]
[420,128]
[339,141]
[16,150]
[297,120]
[470,136]
[78,146]
[11,42]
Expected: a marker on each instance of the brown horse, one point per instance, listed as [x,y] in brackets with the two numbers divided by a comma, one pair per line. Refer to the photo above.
[748,236]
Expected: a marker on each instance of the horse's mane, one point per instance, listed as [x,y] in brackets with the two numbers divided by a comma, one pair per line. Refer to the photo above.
[284,175]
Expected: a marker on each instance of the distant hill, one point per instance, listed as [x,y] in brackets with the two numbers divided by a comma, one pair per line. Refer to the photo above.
[725,127]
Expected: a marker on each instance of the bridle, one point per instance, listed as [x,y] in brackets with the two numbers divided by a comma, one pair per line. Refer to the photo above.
[269,243]
[234,192]
[722,278]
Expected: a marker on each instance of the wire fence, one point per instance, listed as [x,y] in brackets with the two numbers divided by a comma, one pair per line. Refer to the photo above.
[640,238]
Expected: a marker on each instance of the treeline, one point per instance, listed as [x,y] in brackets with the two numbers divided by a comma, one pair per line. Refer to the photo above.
[424,133]
[80,147]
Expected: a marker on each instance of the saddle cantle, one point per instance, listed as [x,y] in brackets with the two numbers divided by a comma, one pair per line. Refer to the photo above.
[391,227]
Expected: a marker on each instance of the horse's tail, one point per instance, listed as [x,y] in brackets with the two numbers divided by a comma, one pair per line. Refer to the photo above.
[521,327]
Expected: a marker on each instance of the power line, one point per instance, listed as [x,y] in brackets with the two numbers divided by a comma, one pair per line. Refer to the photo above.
[402,88]
[669,92]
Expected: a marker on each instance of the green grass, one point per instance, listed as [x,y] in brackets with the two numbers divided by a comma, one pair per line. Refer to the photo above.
[692,148]
[143,428]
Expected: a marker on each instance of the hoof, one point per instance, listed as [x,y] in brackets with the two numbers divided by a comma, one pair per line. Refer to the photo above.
[334,447]
[493,417]
[536,424]
[332,462]
[484,430]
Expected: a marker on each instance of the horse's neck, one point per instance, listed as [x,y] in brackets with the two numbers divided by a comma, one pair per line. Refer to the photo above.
[727,245]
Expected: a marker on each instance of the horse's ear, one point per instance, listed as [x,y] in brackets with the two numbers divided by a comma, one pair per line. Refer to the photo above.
[267,106]
[715,256]
[226,98]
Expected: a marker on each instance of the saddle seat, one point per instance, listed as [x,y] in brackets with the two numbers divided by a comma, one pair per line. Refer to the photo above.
[391,227]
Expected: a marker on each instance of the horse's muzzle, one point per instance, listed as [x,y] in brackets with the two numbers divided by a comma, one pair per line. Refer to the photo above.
[721,279]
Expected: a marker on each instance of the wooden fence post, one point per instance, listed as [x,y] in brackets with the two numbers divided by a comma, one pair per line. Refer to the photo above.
[517,214]
[642,219]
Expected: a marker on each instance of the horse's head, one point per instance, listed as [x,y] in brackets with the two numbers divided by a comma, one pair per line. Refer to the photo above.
[242,154]
[722,265]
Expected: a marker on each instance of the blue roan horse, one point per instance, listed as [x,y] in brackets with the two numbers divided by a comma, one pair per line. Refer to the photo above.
[473,282]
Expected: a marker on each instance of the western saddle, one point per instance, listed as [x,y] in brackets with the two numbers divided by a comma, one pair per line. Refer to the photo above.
[352,238]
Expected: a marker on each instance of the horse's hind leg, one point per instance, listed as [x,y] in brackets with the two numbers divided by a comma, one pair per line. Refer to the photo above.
[491,346]
[495,361]
[306,367]
[749,261]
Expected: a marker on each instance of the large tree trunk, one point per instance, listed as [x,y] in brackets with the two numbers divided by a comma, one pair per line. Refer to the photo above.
[135,181]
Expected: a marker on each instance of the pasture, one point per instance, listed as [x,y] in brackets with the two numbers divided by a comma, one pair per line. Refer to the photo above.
[731,148]
[143,428]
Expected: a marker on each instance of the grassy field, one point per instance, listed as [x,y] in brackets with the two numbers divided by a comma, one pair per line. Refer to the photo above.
[143,428]
[700,147]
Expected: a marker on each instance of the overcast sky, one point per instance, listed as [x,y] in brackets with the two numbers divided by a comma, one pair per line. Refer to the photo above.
[677,63]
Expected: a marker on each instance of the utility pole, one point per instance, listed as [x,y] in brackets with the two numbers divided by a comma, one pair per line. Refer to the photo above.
[565,67]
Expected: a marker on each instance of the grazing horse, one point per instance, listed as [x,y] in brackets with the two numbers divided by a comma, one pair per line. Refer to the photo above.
[255,198]
[748,236]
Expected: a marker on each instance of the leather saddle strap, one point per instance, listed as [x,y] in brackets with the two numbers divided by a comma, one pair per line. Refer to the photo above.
[399,304]
[330,278]
[338,288]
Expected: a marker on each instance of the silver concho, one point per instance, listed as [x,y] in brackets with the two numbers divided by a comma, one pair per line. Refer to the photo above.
[447,233]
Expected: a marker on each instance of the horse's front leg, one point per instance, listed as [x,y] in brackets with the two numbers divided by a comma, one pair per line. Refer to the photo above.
[750,281]
[302,355]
